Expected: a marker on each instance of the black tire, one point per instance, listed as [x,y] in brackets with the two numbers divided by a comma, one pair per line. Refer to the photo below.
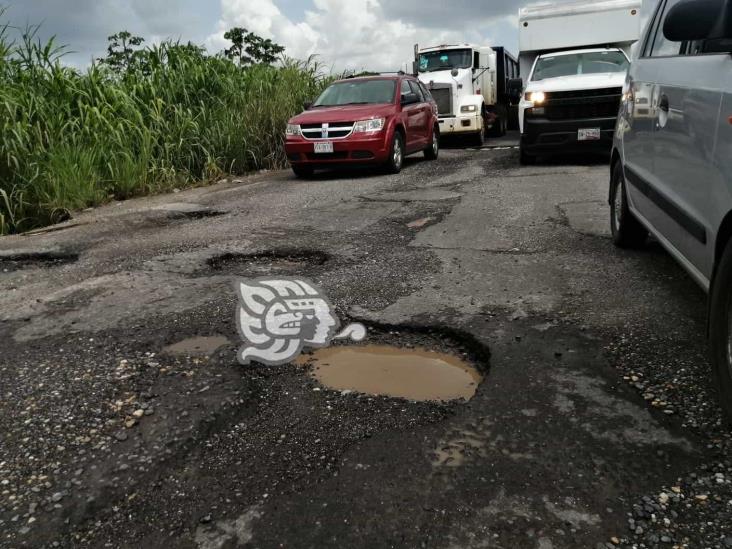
[479,138]
[303,172]
[433,150]
[500,126]
[396,154]
[526,159]
[720,324]
[627,231]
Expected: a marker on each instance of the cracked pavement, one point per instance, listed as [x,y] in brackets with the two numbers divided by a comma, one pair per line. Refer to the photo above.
[107,441]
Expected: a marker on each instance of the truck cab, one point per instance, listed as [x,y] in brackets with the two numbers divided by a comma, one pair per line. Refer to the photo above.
[571,101]
[469,85]
[575,55]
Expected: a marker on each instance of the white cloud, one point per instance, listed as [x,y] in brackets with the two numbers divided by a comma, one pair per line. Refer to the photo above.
[353,34]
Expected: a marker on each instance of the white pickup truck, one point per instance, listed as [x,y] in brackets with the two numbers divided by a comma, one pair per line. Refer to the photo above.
[469,83]
[575,56]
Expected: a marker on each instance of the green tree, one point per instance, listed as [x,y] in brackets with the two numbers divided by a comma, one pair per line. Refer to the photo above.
[248,48]
[121,51]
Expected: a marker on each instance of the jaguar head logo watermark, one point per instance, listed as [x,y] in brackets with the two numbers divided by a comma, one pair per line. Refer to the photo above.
[278,318]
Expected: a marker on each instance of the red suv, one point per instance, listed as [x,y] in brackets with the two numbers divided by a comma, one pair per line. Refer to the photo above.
[375,120]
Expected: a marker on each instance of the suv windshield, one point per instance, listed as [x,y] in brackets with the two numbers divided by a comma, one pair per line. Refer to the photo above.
[445,60]
[357,92]
[580,63]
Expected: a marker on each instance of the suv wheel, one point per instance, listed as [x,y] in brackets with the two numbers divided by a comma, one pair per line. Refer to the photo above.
[303,172]
[431,152]
[720,329]
[396,155]
[627,230]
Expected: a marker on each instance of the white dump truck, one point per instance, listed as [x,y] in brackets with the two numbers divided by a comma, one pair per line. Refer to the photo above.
[470,86]
[574,58]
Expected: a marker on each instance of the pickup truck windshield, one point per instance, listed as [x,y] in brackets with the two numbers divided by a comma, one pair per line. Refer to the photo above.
[580,63]
[357,92]
[445,60]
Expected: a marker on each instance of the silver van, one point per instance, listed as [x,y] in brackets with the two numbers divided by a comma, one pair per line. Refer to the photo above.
[671,167]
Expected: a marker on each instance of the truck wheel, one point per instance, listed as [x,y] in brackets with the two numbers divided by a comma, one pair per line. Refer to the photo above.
[303,172]
[431,152]
[526,159]
[720,330]
[499,127]
[627,230]
[396,155]
[479,138]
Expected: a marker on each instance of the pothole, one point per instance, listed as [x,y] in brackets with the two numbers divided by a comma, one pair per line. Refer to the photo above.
[413,373]
[197,346]
[269,262]
[24,260]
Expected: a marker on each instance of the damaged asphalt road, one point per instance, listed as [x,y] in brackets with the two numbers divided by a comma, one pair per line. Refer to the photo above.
[595,424]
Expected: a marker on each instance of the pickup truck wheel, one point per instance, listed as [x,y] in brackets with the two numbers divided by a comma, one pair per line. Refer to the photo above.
[627,230]
[396,155]
[526,159]
[720,330]
[303,172]
[431,152]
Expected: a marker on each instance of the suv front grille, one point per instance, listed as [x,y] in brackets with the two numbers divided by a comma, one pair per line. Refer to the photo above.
[336,130]
[573,105]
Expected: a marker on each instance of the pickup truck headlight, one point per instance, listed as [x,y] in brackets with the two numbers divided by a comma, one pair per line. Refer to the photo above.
[468,108]
[293,129]
[372,125]
[537,98]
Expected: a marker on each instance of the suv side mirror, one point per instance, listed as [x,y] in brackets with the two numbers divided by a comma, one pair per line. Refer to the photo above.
[515,88]
[307,105]
[699,20]
[410,99]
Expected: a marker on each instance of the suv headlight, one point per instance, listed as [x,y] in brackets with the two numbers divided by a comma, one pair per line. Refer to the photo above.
[293,129]
[373,125]
[468,108]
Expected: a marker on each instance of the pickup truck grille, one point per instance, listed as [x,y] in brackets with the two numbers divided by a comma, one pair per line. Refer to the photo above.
[573,105]
[336,130]
[443,98]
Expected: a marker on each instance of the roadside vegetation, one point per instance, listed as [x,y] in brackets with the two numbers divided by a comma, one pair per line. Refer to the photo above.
[142,120]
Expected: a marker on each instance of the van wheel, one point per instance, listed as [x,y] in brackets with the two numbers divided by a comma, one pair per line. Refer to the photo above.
[431,152]
[396,154]
[720,330]
[303,172]
[627,230]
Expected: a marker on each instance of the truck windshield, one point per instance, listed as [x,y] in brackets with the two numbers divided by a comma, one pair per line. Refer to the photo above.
[580,63]
[445,60]
[357,92]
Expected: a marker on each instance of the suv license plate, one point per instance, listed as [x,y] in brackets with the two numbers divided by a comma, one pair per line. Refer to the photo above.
[325,147]
[588,134]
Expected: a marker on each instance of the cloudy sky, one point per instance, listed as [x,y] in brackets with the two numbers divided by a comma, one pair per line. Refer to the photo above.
[354,34]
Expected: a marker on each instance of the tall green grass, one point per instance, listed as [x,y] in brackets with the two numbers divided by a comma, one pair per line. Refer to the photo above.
[74,139]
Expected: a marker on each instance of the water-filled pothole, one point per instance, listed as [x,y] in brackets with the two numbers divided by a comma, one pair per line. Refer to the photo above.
[269,262]
[196,346]
[414,374]
[24,260]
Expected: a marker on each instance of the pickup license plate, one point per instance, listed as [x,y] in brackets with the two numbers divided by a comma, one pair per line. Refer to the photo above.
[588,134]
[324,147]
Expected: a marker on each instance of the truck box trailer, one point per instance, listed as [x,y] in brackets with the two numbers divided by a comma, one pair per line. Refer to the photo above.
[574,58]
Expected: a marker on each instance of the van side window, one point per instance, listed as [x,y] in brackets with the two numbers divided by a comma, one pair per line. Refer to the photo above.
[425,92]
[662,47]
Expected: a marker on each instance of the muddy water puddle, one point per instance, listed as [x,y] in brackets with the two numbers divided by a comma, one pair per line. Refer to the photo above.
[197,346]
[414,374]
